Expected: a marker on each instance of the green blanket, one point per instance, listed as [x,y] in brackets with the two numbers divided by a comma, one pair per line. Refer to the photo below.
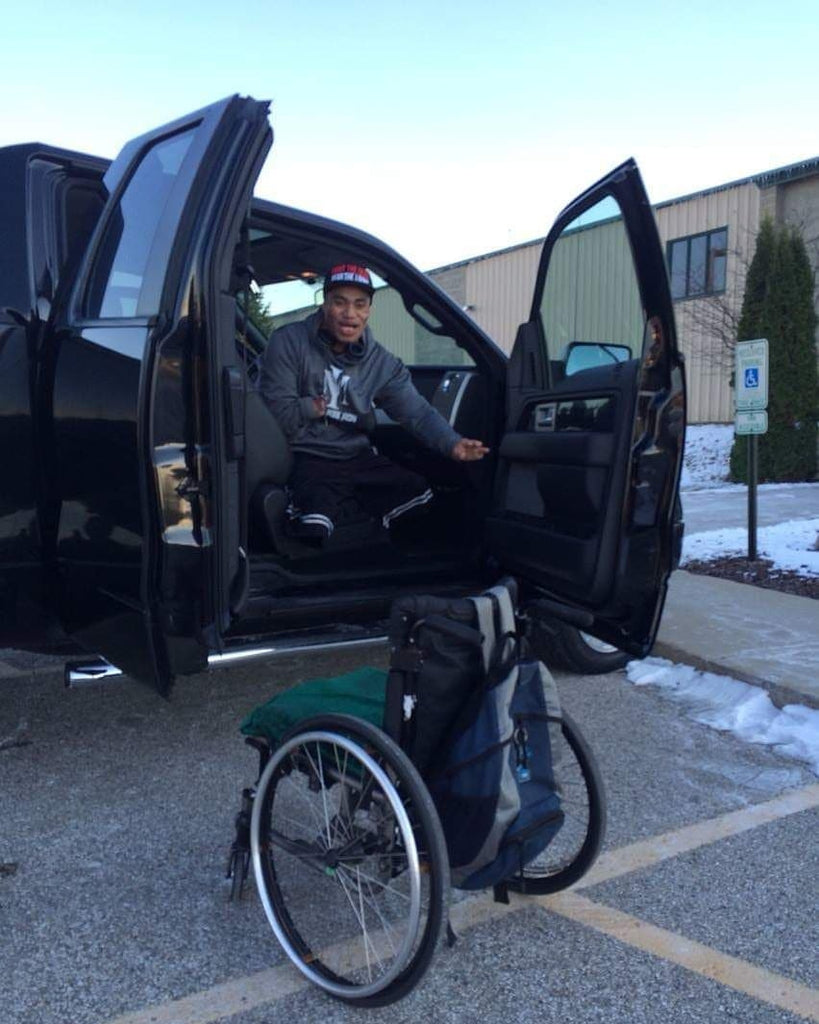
[361,693]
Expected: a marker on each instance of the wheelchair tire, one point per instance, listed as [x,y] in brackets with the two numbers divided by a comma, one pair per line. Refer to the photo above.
[583,802]
[349,859]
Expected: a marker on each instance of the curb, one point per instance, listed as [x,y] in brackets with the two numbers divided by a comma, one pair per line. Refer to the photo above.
[780,694]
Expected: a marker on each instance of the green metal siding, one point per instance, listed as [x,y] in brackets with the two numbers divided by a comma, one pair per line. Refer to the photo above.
[398,332]
[591,290]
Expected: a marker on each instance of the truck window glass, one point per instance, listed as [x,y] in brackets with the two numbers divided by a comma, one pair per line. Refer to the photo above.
[120,262]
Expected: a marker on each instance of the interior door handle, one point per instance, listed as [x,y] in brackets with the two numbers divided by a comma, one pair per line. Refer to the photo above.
[233,396]
[545,416]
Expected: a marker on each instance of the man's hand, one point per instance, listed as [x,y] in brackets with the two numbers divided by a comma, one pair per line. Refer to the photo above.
[320,405]
[467,450]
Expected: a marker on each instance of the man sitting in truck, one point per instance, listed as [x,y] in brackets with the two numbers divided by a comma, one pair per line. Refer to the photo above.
[323,378]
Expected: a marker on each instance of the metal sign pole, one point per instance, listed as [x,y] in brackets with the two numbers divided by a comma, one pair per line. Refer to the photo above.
[753,470]
[751,412]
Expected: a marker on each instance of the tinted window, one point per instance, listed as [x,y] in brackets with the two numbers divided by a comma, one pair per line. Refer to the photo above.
[121,260]
[64,206]
[591,294]
[83,203]
[678,258]
[414,339]
[718,255]
[697,264]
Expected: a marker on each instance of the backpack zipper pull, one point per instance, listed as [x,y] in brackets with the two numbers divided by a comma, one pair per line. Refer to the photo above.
[522,773]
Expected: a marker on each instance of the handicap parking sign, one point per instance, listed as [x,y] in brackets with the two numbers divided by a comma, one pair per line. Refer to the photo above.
[751,375]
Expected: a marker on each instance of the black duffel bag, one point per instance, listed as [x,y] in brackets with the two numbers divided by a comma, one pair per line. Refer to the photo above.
[435,652]
[436,663]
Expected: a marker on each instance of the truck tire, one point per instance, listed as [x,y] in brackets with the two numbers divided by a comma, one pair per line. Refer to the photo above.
[564,646]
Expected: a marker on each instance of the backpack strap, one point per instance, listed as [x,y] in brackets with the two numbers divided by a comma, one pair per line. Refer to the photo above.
[452,628]
[485,614]
[495,613]
[505,610]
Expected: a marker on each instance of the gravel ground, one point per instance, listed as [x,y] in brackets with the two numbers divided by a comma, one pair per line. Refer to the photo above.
[760,573]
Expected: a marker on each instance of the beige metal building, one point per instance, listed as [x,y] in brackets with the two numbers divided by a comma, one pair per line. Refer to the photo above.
[709,238]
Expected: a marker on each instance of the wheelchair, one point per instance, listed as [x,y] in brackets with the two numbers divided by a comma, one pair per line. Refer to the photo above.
[350,861]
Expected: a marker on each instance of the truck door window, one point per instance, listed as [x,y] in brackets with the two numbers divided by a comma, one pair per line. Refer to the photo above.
[591,309]
[120,262]
[83,202]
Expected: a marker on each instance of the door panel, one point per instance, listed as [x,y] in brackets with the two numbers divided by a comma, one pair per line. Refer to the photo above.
[138,425]
[561,470]
[21,576]
[589,465]
[49,200]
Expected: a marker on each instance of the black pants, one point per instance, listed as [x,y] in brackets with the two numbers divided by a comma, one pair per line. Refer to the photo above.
[324,490]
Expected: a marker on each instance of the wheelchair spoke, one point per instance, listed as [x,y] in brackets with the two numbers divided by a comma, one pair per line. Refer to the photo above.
[337,825]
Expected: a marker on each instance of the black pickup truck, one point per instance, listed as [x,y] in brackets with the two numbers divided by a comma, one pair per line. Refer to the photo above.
[144,482]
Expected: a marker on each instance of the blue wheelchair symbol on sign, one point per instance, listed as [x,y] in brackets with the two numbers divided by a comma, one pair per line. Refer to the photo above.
[752,377]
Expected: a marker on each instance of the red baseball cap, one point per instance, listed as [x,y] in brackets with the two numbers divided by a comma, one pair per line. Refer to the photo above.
[350,274]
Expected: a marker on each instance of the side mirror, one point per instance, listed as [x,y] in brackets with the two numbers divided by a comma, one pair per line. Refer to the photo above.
[585,355]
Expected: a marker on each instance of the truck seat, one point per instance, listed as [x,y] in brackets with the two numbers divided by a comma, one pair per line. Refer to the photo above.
[268,463]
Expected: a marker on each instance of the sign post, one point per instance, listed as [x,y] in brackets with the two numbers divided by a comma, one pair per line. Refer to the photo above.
[751,390]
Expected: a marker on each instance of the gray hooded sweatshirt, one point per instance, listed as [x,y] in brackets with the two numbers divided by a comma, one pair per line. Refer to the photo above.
[299,365]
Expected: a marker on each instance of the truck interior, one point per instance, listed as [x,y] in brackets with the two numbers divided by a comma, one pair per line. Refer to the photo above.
[283,267]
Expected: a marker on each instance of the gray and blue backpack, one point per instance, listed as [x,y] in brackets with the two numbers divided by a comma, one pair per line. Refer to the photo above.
[480,724]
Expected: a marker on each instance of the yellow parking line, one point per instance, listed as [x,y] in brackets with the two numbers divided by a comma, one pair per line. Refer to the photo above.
[754,981]
[646,852]
[269,986]
[222,1001]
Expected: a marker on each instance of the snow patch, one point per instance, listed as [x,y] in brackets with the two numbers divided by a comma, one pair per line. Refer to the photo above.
[791,546]
[706,455]
[732,706]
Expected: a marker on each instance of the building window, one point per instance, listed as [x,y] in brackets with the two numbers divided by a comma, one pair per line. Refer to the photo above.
[697,263]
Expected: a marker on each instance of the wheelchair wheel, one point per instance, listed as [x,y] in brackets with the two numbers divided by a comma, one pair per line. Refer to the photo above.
[583,801]
[349,859]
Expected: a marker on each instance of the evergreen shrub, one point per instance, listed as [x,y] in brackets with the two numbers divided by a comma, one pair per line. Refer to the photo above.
[778,305]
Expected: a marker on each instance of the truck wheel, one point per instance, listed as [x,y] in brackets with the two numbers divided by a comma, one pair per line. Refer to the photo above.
[565,646]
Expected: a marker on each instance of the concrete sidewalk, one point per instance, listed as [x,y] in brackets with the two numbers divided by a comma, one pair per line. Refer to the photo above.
[760,636]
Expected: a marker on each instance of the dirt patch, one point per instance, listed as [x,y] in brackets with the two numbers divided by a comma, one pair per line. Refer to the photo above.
[758,574]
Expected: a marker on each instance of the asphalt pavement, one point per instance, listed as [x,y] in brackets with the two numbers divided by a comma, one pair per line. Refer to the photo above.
[116,812]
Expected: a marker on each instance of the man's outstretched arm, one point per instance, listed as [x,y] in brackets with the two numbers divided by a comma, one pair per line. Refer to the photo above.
[403,402]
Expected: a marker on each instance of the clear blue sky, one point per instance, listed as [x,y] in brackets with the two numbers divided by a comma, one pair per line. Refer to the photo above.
[447,128]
